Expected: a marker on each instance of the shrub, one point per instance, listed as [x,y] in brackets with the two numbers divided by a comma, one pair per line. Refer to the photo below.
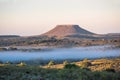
[85,60]
[110,70]
[3,49]
[87,69]
[65,62]
[1,62]
[8,62]
[51,63]
[12,48]
[21,64]
[85,64]
[69,66]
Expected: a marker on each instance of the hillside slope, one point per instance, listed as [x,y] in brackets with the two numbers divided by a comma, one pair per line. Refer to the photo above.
[66,30]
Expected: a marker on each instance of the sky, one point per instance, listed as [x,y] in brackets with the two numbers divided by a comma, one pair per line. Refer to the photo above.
[34,17]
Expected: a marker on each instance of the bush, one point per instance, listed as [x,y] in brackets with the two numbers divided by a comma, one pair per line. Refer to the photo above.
[51,63]
[85,60]
[1,62]
[12,48]
[65,62]
[21,64]
[110,70]
[69,66]
[8,62]
[3,49]
[85,63]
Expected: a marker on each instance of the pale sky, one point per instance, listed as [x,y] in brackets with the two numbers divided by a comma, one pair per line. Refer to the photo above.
[33,17]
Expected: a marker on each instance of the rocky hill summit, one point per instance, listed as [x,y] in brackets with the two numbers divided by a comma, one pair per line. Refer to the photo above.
[67,30]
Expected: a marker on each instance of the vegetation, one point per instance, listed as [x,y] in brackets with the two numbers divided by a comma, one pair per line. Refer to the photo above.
[8,62]
[21,64]
[51,63]
[85,63]
[54,41]
[3,49]
[65,63]
[37,73]
[93,65]
[12,48]
[69,71]
[70,66]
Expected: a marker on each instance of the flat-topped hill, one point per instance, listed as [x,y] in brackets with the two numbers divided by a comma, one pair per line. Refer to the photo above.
[65,30]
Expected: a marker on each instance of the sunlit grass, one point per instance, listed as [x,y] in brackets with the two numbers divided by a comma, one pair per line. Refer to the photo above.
[100,69]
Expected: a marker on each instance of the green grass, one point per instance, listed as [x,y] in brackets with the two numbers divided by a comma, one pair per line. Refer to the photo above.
[13,72]
[100,69]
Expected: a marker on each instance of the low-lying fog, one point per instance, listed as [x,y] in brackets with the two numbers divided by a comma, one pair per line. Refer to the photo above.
[61,53]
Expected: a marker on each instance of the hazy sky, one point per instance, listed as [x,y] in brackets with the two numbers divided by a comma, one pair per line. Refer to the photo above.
[33,17]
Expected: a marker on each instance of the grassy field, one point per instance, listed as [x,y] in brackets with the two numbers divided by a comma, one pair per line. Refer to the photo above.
[94,65]
[99,69]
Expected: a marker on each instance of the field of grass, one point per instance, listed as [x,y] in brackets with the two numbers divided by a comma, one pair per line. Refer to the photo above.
[94,65]
[100,69]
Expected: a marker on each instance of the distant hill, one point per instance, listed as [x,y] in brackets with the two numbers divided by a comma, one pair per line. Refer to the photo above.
[113,34]
[67,30]
[9,36]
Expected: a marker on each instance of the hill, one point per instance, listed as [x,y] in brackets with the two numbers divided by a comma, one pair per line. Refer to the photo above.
[9,36]
[67,30]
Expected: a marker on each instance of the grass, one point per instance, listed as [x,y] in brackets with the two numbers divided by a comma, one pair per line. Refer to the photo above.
[97,70]
[35,73]
[94,65]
